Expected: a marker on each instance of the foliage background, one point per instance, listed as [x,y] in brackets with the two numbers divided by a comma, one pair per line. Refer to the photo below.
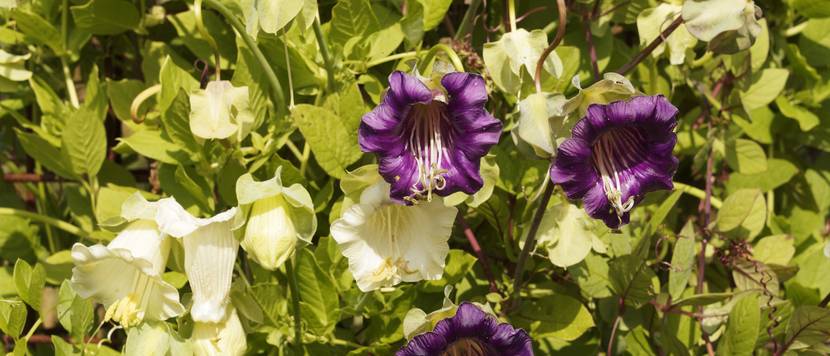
[735,265]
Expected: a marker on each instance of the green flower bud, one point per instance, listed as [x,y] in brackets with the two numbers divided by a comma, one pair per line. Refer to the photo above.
[275,218]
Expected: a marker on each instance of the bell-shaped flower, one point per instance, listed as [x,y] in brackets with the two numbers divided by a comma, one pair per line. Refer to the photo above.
[616,154]
[125,276]
[470,331]
[209,255]
[225,338]
[277,217]
[387,242]
[429,139]
[221,111]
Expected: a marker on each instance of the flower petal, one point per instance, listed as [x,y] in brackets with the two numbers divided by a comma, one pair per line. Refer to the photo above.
[218,339]
[209,254]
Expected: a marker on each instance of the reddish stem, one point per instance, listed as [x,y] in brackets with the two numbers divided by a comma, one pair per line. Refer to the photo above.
[485,263]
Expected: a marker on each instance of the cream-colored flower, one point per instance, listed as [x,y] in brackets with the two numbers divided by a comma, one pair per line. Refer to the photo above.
[220,111]
[125,276]
[226,338]
[387,243]
[277,217]
[209,255]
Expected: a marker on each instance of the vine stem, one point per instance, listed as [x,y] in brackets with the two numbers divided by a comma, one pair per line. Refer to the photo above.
[651,46]
[697,193]
[456,62]
[393,57]
[825,301]
[291,271]
[482,257]
[65,226]
[511,14]
[324,52]
[277,96]
[200,26]
[592,50]
[530,242]
[467,21]
[616,326]
[560,33]
[67,75]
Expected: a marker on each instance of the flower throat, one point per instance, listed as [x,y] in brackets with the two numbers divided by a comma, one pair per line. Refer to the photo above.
[611,155]
[425,124]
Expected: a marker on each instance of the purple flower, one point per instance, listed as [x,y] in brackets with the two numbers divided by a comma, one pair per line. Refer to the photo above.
[430,139]
[616,154]
[470,332]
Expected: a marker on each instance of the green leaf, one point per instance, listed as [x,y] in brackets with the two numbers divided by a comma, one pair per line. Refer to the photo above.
[332,140]
[541,116]
[434,11]
[808,327]
[811,8]
[660,213]
[38,29]
[74,313]
[29,282]
[765,87]
[515,50]
[631,279]
[566,232]
[746,156]
[652,22]
[774,250]
[352,19]
[121,94]
[12,317]
[702,299]
[743,211]
[319,301]
[806,119]
[43,152]
[273,15]
[84,142]
[154,338]
[558,316]
[150,143]
[682,260]
[271,299]
[778,173]
[173,78]
[742,327]
[728,25]
[106,17]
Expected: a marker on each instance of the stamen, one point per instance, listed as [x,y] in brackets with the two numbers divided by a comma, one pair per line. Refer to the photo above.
[608,148]
[429,146]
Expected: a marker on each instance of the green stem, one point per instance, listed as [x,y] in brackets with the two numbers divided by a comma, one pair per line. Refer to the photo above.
[65,226]
[277,96]
[200,26]
[288,68]
[324,52]
[456,62]
[295,301]
[67,75]
[393,57]
[466,25]
[511,14]
[697,193]
[33,329]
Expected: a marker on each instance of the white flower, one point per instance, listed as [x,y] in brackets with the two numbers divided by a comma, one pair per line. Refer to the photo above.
[277,217]
[125,276]
[209,254]
[387,243]
[226,338]
[220,111]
